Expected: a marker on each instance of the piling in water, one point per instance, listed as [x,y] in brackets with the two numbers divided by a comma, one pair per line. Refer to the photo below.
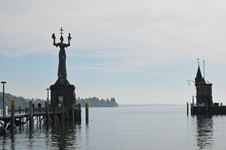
[47,113]
[12,115]
[20,120]
[187,109]
[87,112]
[30,114]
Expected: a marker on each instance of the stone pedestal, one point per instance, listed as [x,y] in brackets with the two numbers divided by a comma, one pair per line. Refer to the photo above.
[62,89]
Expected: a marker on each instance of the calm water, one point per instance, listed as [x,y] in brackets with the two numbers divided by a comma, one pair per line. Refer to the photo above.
[126,128]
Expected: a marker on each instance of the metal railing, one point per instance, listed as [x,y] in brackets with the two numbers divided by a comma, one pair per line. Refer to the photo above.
[38,110]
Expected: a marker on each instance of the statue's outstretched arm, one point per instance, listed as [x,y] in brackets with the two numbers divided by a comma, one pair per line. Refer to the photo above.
[68,43]
[54,43]
[54,40]
[69,39]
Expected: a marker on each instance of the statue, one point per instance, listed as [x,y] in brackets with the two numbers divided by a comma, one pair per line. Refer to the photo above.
[62,72]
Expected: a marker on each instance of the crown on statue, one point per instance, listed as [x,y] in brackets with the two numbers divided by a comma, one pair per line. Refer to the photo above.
[61,37]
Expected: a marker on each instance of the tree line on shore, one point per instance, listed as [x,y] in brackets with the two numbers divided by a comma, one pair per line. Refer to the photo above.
[19,100]
[24,102]
[96,102]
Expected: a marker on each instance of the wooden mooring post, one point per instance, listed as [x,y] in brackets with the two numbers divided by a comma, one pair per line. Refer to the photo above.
[30,114]
[47,113]
[12,116]
[20,119]
[87,112]
[79,112]
[192,108]
[187,109]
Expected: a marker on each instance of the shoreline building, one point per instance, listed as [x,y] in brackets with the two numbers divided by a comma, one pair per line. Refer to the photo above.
[203,90]
[204,100]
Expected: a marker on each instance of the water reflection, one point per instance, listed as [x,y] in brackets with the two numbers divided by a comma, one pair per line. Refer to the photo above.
[31,138]
[204,132]
[58,136]
[5,136]
[64,136]
[87,135]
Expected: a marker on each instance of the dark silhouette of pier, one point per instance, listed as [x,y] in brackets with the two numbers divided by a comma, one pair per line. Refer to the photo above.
[48,114]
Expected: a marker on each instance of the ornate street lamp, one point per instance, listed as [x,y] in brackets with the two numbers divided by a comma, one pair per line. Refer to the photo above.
[3,97]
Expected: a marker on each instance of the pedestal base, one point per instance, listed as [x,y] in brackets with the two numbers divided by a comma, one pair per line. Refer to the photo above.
[62,88]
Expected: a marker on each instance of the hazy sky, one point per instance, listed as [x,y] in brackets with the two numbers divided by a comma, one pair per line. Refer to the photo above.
[138,51]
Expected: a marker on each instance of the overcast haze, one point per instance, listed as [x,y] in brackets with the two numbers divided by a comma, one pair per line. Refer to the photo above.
[138,51]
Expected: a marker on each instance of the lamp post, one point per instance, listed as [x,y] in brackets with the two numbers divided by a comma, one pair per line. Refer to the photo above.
[47,95]
[3,97]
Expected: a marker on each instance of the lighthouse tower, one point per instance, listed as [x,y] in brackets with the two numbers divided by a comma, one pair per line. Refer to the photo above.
[203,90]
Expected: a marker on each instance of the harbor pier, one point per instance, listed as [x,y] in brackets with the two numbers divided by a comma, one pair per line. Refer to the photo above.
[49,114]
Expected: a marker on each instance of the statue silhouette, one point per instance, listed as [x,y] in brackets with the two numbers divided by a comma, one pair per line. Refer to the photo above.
[62,72]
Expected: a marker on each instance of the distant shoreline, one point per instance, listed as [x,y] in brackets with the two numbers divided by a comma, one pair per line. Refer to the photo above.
[146,105]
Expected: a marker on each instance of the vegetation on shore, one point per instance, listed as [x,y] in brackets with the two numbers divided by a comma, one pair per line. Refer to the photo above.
[19,100]
[24,102]
[96,102]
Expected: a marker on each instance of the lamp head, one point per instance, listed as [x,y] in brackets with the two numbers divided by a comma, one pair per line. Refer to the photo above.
[3,82]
